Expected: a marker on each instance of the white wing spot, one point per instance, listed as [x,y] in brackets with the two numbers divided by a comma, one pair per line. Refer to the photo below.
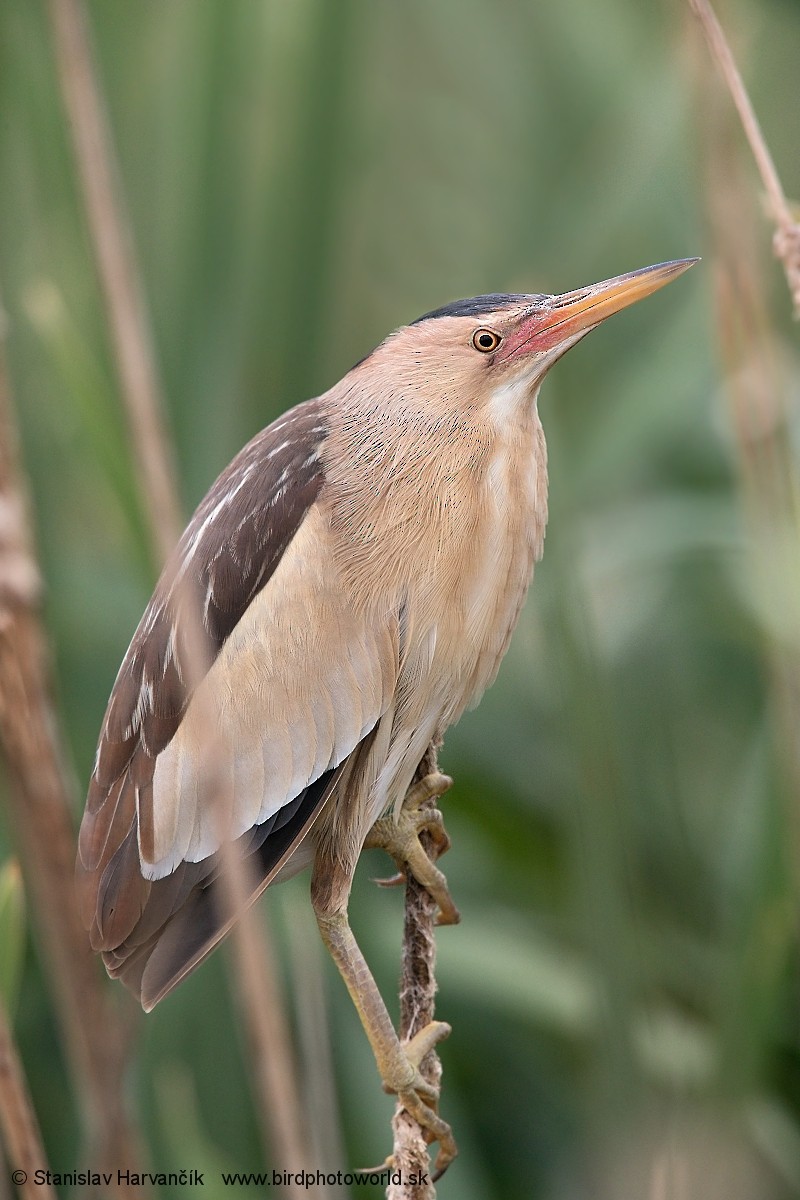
[207,601]
[169,652]
[170,655]
[151,616]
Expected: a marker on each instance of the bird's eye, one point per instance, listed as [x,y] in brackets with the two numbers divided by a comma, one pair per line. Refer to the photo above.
[486,340]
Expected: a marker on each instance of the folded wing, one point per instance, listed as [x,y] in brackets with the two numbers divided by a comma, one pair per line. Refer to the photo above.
[247,685]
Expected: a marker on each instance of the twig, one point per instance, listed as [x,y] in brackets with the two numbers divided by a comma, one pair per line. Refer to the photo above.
[411,1160]
[113,246]
[39,798]
[786,241]
[760,418]
[18,1120]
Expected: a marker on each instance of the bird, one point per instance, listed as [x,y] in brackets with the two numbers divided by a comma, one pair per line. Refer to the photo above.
[346,589]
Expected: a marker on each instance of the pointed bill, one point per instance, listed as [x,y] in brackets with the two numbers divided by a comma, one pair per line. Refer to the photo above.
[565,318]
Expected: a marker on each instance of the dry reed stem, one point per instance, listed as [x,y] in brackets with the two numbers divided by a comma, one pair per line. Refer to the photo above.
[268,1037]
[417,1000]
[18,1120]
[39,800]
[279,1109]
[314,1041]
[113,247]
[760,418]
[786,241]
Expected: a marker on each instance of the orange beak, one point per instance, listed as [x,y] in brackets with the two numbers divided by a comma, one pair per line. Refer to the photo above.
[566,318]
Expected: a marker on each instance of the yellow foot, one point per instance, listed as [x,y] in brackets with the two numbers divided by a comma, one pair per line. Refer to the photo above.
[418,1096]
[399,834]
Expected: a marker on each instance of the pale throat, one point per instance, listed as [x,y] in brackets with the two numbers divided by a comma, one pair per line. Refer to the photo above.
[518,464]
[512,403]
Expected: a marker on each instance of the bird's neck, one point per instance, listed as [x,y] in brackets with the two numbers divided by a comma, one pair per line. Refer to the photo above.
[413,491]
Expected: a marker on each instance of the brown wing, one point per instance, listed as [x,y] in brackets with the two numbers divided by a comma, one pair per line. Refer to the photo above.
[227,556]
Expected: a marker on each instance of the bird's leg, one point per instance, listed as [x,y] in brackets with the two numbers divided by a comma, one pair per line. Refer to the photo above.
[398,834]
[397,1063]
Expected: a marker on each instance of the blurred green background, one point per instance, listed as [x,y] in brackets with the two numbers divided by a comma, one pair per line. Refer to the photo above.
[303,176]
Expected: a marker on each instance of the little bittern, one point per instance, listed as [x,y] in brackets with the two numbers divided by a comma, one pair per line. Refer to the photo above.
[356,573]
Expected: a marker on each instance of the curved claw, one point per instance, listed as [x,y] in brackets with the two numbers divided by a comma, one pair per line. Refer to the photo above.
[388,1162]
[441,1167]
[434,1126]
[392,881]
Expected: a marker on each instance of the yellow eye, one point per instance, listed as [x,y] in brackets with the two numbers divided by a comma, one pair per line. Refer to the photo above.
[486,340]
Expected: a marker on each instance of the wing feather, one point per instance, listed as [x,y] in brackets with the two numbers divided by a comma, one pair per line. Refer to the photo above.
[322,717]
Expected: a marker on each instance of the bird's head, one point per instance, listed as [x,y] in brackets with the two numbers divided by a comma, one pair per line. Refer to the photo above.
[503,345]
